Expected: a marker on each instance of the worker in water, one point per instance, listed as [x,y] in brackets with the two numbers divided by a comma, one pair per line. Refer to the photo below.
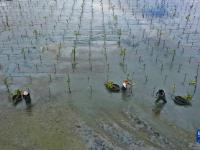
[125,85]
[160,96]
[27,98]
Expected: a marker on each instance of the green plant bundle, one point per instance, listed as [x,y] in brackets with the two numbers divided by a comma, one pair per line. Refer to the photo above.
[188,97]
[109,84]
[123,52]
[192,82]
[16,92]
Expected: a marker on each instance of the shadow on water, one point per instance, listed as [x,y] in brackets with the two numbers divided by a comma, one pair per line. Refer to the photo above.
[126,95]
[156,11]
[158,107]
[29,110]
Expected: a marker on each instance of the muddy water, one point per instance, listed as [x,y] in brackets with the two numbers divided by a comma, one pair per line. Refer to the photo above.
[37,41]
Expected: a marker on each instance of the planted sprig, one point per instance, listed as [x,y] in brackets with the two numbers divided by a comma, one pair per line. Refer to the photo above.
[74,58]
[173,88]
[23,50]
[49,89]
[161,68]
[165,79]
[76,33]
[123,55]
[185,76]
[173,57]
[68,84]
[179,67]
[35,33]
[7,84]
[119,33]
[146,78]
[115,19]
[192,82]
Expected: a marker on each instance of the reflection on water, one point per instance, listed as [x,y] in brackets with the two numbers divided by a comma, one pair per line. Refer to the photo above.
[126,95]
[156,10]
[158,107]
[50,31]
[29,110]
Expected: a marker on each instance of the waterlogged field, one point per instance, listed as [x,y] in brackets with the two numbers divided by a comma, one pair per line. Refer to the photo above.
[63,51]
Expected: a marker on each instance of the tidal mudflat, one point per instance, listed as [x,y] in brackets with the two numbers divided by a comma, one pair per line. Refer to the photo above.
[63,51]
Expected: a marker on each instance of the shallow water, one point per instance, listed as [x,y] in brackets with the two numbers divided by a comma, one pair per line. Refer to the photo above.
[36,52]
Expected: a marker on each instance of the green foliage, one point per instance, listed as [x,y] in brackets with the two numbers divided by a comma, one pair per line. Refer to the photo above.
[119,32]
[109,84]
[16,92]
[76,33]
[192,82]
[59,46]
[23,50]
[45,17]
[123,52]
[35,32]
[172,51]
[187,17]
[188,97]
[115,18]
[7,81]
[74,54]
[174,88]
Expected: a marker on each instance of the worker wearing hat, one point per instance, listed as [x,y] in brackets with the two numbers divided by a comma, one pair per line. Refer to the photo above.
[125,85]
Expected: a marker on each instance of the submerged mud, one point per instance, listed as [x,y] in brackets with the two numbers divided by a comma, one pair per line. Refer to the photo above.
[63,51]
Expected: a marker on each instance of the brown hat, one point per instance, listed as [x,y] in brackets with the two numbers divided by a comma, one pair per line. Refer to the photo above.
[126,81]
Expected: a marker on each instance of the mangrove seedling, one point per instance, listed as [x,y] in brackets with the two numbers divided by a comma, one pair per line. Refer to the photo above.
[174,53]
[74,54]
[113,10]
[179,68]
[161,69]
[192,82]
[119,33]
[188,97]
[76,33]
[115,18]
[91,90]
[197,71]
[185,76]
[6,83]
[144,66]
[190,59]
[68,83]
[35,33]
[122,54]
[49,92]
[23,52]
[59,48]
[165,78]
[153,92]
[187,17]
[30,78]
[54,68]
[146,78]
[174,88]
[74,58]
